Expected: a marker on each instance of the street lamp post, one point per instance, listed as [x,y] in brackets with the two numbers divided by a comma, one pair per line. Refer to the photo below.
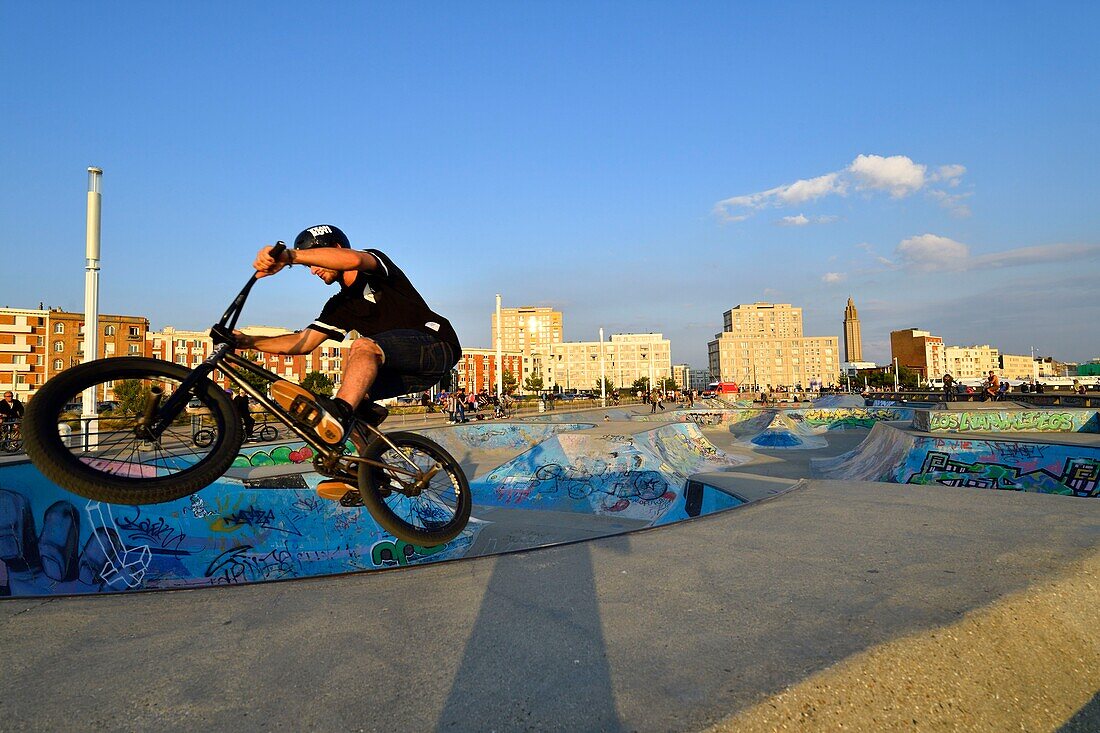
[603,380]
[91,301]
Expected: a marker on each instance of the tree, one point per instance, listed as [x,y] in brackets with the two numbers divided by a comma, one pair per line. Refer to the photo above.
[608,387]
[533,383]
[508,382]
[318,383]
[255,380]
[668,384]
[641,383]
[130,395]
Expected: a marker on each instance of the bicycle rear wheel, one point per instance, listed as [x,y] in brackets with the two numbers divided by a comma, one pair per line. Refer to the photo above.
[106,459]
[268,433]
[434,516]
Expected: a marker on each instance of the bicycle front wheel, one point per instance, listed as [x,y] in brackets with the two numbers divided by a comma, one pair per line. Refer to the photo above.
[106,458]
[434,515]
[268,433]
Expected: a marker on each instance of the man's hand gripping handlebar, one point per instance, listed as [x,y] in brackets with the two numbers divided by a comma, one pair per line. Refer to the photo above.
[223,331]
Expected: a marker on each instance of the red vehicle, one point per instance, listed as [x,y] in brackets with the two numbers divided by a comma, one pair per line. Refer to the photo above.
[720,388]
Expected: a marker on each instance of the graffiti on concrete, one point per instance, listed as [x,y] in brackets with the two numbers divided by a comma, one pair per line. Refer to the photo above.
[54,542]
[841,418]
[1076,476]
[1009,421]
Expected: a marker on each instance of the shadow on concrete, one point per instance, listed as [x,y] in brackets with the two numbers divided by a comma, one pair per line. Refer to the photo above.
[535,656]
[1085,720]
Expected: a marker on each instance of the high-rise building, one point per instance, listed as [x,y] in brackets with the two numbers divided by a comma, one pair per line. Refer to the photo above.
[762,345]
[920,351]
[532,331]
[853,340]
[575,365]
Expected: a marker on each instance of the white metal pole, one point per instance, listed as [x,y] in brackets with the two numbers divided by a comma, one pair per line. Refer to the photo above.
[603,383]
[91,301]
[896,380]
[500,357]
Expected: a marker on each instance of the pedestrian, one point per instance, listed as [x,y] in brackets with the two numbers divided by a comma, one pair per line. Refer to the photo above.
[948,388]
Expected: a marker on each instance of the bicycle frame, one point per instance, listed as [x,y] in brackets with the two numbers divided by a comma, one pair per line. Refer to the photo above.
[224,357]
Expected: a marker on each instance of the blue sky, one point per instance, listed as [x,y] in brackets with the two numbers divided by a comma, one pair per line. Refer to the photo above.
[640,166]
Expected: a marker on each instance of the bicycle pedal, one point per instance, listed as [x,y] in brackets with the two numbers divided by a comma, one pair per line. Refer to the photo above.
[305,411]
[351,499]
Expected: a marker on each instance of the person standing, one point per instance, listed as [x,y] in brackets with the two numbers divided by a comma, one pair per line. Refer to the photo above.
[992,386]
[240,401]
[948,388]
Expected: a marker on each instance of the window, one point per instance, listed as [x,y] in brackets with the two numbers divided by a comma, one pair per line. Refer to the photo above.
[109,331]
[108,349]
[288,360]
[58,345]
[134,331]
[133,348]
[58,365]
[59,328]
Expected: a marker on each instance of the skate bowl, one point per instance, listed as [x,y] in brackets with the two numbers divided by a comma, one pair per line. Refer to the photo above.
[263,521]
[889,454]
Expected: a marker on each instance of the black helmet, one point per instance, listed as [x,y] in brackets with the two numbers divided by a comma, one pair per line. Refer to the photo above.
[322,235]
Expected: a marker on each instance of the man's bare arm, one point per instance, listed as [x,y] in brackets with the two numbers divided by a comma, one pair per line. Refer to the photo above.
[300,342]
[330,258]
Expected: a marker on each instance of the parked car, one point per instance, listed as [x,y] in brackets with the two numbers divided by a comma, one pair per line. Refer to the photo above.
[106,406]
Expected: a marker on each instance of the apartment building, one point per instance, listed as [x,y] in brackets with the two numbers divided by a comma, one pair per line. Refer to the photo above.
[532,331]
[191,348]
[477,369]
[971,362]
[762,345]
[920,351]
[1013,366]
[23,350]
[37,344]
[575,365]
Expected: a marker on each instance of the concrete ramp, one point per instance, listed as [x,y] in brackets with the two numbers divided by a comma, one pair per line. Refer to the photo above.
[637,477]
[897,456]
[783,432]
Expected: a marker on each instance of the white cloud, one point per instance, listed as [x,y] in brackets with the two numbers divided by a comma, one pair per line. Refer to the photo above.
[953,202]
[949,174]
[897,174]
[831,278]
[794,221]
[1038,255]
[933,253]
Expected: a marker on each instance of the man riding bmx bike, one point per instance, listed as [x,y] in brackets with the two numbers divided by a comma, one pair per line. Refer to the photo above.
[402,346]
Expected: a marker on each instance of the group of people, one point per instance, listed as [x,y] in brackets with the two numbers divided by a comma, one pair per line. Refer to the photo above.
[457,404]
[995,388]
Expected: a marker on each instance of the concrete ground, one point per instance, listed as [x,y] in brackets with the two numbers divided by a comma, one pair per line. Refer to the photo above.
[832,605]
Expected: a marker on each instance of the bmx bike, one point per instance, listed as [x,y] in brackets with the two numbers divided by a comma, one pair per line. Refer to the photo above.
[11,439]
[262,431]
[144,451]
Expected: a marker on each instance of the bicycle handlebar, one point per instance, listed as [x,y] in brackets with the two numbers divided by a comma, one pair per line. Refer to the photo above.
[222,331]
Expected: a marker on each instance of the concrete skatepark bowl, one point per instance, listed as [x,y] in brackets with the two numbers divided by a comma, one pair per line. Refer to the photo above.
[652,622]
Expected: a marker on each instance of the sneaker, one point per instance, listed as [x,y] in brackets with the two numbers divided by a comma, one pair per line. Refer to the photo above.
[334,489]
[371,413]
[327,418]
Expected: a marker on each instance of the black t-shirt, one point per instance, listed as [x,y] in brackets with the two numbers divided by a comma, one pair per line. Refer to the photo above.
[382,300]
[12,411]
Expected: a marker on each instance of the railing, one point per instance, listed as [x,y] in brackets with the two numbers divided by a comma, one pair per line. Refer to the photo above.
[1046,399]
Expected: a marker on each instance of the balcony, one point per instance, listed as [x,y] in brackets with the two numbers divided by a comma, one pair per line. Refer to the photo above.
[15,348]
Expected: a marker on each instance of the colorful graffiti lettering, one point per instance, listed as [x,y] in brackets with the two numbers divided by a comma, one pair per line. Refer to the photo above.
[1078,477]
[395,552]
[241,565]
[839,418]
[990,421]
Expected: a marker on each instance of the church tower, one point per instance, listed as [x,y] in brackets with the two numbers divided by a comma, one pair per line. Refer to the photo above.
[853,341]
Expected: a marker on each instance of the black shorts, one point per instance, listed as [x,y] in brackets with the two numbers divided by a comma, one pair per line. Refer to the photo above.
[414,361]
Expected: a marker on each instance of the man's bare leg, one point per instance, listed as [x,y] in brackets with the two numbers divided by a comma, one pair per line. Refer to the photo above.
[364,360]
